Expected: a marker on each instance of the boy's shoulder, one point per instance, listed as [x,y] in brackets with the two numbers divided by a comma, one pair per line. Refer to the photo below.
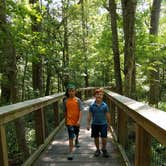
[77,98]
[66,98]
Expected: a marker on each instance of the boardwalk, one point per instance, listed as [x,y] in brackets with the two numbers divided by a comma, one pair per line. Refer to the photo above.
[56,153]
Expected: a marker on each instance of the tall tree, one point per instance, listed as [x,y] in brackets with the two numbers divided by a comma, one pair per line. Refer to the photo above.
[65,7]
[129,9]
[9,75]
[84,14]
[8,56]
[37,79]
[115,45]
[154,73]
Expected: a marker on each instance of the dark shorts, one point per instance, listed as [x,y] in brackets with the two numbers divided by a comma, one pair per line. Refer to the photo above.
[73,131]
[99,130]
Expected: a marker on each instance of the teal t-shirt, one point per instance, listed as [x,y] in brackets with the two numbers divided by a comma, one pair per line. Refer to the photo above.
[99,113]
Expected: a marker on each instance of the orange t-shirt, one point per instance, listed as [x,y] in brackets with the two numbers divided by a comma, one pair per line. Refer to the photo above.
[72,111]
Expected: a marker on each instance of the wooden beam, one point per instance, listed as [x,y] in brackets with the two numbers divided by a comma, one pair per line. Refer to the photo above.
[112,110]
[56,114]
[14,111]
[3,147]
[122,127]
[40,126]
[143,147]
[151,119]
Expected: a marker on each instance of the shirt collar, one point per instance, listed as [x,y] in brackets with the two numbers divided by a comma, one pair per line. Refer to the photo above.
[97,104]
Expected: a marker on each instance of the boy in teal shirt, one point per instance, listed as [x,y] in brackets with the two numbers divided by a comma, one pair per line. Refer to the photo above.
[100,116]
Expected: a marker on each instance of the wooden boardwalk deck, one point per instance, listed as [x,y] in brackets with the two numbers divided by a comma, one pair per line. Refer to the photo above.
[56,153]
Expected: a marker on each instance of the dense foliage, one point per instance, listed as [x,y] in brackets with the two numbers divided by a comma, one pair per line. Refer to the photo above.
[72,41]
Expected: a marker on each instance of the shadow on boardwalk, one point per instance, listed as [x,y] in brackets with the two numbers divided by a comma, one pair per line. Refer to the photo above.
[56,153]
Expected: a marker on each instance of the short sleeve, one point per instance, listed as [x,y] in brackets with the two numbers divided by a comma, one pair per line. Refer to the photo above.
[106,108]
[81,107]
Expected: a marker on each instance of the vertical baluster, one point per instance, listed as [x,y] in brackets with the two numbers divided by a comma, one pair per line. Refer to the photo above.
[3,147]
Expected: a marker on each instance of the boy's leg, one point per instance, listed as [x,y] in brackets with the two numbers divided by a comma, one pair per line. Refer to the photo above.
[76,131]
[104,143]
[103,131]
[70,145]
[95,134]
[96,141]
[71,137]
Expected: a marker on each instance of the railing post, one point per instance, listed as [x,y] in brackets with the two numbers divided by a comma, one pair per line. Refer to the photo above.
[56,114]
[143,147]
[112,110]
[122,127]
[3,147]
[40,126]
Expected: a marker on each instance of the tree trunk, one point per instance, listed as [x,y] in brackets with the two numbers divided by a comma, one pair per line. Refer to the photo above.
[115,46]
[48,81]
[129,9]
[66,72]
[23,79]
[37,66]
[154,91]
[84,44]
[9,74]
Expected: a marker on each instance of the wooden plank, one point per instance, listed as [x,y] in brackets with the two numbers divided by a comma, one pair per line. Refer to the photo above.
[112,110]
[40,126]
[56,114]
[37,153]
[143,147]
[122,127]
[3,147]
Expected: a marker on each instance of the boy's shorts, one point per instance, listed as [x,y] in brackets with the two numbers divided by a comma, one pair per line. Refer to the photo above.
[99,130]
[73,131]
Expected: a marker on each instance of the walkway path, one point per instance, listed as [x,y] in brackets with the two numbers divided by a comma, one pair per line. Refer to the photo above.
[56,153]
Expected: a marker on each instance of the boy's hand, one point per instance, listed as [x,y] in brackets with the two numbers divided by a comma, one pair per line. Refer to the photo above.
[109,128]
[78,124]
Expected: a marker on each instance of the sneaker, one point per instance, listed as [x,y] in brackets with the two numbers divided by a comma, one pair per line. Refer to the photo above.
[105,153]
[77,145]
[97,153]
[70,156]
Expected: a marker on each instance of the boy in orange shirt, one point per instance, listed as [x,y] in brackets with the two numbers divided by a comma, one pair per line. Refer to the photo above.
[73,110]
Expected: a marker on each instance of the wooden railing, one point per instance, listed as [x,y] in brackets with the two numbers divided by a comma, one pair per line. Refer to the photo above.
[149,122]
[13,112]
[16,111]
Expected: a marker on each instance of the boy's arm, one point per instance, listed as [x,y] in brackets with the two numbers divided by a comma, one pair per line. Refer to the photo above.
[89,117]
[79,120]
[64,110]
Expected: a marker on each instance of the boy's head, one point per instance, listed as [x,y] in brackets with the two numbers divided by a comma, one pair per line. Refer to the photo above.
[71,90]
[99,90]
[99,94]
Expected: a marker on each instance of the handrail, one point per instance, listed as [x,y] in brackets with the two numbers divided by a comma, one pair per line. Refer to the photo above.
[150,122]
[14,111]
[151,119]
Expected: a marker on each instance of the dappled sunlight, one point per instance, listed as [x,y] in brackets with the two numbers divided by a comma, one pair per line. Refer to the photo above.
[62,142]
